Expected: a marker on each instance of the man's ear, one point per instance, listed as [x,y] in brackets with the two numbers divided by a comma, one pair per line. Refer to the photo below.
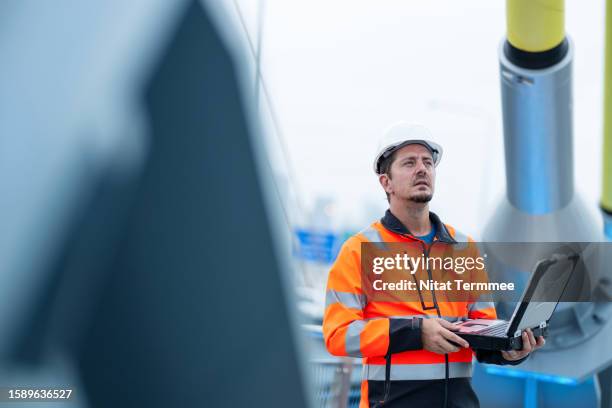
[383,179]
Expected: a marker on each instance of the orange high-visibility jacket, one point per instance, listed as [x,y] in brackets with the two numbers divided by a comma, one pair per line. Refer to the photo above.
[356,326]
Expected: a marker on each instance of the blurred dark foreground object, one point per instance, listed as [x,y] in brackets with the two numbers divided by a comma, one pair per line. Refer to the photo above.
[168,290]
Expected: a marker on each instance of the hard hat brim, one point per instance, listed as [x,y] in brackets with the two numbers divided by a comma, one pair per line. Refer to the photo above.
[434,148]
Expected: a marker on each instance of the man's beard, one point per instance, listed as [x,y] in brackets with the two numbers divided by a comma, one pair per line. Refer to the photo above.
[421,198]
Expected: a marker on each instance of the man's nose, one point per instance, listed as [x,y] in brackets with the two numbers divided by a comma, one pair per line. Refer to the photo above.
[421,168]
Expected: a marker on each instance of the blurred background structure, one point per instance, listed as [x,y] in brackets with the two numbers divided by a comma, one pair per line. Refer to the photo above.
[179,176]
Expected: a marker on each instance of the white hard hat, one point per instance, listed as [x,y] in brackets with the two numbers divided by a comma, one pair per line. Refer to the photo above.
[402,134]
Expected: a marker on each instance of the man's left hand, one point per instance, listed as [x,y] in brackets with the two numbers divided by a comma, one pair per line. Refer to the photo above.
[529,344]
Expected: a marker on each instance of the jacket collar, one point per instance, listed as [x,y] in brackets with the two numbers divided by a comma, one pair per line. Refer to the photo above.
[390,222]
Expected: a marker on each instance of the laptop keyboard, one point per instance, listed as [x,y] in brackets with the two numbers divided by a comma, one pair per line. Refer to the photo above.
[495,331]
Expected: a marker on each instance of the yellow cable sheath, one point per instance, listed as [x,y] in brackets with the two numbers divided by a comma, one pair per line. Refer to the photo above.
[606,197]
[535,25]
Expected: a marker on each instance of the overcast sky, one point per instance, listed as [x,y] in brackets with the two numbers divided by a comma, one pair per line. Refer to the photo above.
[341,71]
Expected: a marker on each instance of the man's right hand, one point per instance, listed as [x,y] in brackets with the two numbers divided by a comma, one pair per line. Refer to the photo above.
[436,334]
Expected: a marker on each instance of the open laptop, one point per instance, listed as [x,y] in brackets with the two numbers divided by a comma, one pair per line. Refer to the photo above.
[548,282]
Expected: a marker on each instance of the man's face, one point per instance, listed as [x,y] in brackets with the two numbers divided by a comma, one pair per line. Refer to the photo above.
[412,175]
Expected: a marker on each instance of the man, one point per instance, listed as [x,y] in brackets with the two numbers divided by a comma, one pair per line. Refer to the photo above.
[410,354]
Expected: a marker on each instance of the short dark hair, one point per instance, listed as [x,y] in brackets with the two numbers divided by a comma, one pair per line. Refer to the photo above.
[385,168]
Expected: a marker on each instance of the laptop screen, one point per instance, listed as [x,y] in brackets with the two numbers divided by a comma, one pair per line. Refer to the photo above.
[543,292]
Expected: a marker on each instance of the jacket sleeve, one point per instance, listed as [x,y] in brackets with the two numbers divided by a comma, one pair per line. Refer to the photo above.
[495,357]
[345,330]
